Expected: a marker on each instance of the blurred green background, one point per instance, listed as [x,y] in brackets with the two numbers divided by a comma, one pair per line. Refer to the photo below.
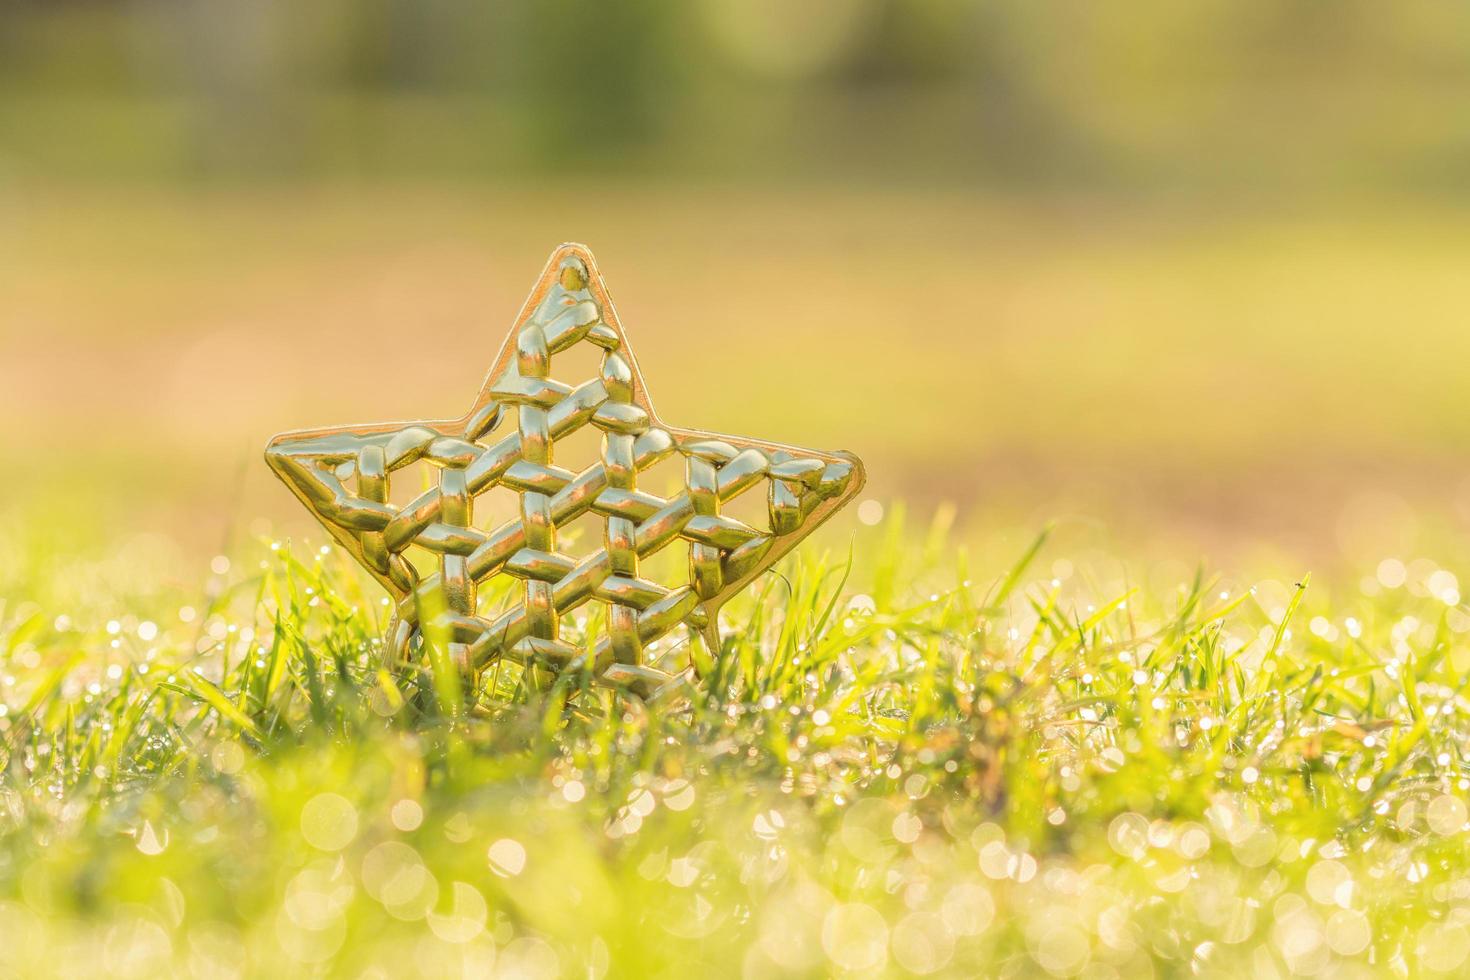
[1193,273]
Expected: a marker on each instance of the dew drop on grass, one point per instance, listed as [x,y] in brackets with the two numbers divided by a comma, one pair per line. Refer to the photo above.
[1128,835]
[1446,815]
[855,937]
[227,758]
[907,827]
[678,795]
[329,821]
[150,841]
[507,857]
[464,919]
[1348,932]
[407,815]
[922,943]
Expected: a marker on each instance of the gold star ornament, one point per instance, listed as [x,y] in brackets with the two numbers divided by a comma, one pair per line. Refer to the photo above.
[435,558]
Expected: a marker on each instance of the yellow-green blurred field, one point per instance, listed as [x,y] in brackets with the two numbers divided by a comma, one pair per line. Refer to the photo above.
[1214,378]
[1189,272]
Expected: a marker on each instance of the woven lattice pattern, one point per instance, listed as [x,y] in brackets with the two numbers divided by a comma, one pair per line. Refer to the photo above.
[509,440]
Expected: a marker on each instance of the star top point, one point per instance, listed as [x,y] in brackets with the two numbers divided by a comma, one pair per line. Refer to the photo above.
[508,440]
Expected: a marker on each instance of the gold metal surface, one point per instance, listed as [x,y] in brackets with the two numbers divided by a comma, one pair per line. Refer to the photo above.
[508,439]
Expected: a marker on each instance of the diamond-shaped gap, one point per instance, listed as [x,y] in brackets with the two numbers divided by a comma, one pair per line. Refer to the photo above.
[578,449]
[579,363]
[670,652]
[406,483]
[497,594]
[584,625]
[581,537]
[666,478]
[424,561]
[496,506]
[668,566]
[751,507]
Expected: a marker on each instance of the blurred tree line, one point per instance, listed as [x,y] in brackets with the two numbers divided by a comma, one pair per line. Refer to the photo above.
[1244,94]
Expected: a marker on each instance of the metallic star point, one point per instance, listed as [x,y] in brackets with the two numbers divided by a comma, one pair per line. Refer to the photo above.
[508,439]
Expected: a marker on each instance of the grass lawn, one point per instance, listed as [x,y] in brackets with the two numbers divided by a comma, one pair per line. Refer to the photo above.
[911,766]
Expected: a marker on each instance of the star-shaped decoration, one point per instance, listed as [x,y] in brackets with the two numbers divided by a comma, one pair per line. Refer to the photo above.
[508,439]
